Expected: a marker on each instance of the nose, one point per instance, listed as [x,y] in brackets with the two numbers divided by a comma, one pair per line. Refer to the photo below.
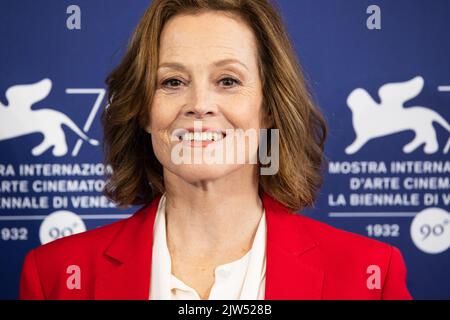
[200,103]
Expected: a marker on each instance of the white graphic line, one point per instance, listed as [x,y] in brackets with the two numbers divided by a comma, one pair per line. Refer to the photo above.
[444,88]
[371,214]
[100,95]
[82,216]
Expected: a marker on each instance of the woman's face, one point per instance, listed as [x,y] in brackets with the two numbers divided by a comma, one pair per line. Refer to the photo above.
[207,77]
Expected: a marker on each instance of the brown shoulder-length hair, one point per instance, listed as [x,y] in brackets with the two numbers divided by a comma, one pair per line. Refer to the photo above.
[137,175]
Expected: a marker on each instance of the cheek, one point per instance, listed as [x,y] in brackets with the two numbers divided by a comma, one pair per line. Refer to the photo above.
[160,122]
[161,145]
[161,114]
[244,113]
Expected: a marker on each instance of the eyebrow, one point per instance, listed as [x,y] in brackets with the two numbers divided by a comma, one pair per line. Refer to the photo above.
[179,66]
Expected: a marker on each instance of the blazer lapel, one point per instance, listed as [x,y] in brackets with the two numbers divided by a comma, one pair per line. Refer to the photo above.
[124,272]
[293,268]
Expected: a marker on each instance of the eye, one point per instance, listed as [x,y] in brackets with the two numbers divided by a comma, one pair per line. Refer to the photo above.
[171,83]
[229,82]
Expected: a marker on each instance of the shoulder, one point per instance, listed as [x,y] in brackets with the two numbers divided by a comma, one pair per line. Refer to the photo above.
[332,238]
[334,243]
[85,246]
[354,261]
[345,253]
[45,267]
[339,245]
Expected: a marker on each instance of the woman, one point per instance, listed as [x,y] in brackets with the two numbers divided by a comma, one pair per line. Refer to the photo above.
[209,229]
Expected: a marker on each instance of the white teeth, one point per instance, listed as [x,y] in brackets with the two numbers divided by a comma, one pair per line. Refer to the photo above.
[202,136]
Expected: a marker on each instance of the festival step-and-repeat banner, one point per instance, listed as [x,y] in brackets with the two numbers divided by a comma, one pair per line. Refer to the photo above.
[379,70]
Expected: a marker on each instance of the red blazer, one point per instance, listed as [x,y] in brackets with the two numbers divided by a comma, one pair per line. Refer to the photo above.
[306,259]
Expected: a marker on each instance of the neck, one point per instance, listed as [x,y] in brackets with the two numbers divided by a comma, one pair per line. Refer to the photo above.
[213,216]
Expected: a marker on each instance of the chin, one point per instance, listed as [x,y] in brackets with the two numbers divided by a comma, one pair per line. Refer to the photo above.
[197,172]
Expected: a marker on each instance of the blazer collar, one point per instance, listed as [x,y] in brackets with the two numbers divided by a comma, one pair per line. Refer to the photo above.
[293,269]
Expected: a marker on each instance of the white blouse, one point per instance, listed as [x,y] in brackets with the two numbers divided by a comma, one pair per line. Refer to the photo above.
[242,279]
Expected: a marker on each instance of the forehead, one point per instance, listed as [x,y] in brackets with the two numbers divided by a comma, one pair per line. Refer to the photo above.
[206,36]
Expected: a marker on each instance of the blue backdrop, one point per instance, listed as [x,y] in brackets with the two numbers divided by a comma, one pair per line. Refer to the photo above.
[377,184]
